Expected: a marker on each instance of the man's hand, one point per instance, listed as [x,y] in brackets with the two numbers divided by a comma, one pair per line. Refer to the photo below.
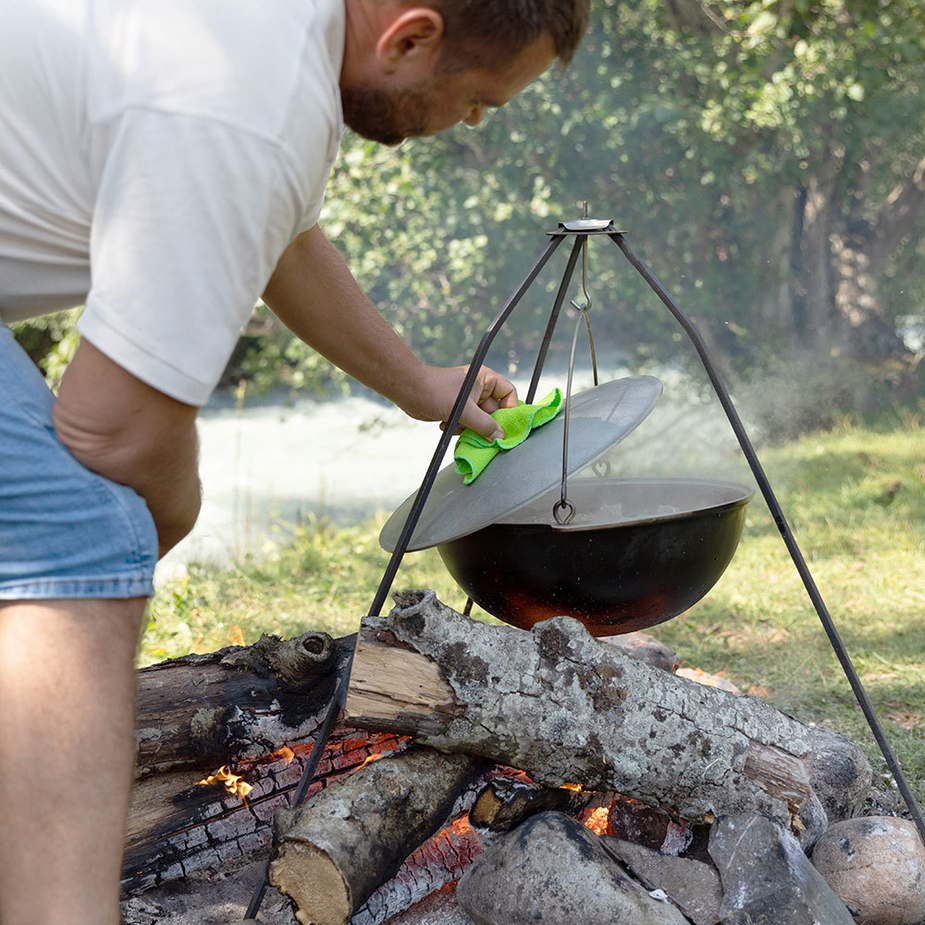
[435,396]
[121,428]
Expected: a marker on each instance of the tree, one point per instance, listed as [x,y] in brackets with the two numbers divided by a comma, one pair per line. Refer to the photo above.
[767,158]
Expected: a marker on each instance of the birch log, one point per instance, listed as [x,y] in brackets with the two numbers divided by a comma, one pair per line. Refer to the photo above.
[353,836]
[564,707]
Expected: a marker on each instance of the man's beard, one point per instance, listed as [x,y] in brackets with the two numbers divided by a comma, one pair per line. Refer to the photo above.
[386,116]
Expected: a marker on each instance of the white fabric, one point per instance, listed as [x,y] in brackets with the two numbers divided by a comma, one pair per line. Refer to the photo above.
[156,158]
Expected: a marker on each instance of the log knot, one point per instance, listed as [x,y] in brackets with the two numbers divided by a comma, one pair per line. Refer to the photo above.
[297,663]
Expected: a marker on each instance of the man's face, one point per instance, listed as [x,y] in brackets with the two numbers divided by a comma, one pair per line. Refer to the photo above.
[389,115]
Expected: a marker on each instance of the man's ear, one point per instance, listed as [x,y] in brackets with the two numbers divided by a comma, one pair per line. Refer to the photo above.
[411,42]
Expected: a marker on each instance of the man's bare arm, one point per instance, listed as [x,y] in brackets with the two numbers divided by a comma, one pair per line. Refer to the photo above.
[314,294]
[127,431]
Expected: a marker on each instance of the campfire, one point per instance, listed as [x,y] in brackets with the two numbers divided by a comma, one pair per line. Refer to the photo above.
[527,771]
[508,762]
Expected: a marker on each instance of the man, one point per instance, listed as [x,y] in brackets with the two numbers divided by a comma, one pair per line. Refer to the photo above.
[163,162]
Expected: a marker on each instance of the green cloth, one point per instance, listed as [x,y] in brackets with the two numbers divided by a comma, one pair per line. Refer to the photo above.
[473,452]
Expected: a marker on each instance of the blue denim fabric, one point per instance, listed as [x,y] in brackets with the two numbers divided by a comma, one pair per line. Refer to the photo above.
[65,532]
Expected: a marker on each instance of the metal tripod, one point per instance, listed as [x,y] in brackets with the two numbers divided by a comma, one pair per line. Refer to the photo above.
[581,230]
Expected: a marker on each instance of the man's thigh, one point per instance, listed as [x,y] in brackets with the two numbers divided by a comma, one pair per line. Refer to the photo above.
[65,532]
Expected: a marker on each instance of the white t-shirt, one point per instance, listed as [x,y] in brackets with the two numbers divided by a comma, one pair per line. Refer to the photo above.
[156,159]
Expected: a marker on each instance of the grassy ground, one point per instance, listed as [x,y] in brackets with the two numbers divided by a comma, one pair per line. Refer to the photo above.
[855,498]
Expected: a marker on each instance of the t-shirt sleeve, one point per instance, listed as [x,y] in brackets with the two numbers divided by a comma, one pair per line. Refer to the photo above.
[191,219]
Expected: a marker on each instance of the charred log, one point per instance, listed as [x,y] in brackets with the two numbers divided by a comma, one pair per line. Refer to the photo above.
[184,822]
[250,712]
[505,802]
[202,711]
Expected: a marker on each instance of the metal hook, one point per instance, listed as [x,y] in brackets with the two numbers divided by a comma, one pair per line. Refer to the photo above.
[584,280]
[586,308]
[563,511]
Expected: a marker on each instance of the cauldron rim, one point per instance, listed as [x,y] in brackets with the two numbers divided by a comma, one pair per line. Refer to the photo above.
[739,495]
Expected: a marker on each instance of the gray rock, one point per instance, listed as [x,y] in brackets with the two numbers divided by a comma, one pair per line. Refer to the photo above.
[693,886]
[842,776]
[767,878]
[553,870]
[814,820]
[876,866]
[646,647]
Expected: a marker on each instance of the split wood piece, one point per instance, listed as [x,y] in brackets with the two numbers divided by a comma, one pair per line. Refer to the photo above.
[242,702]
[505,802]
[335,850]
[179,825]
[564,707]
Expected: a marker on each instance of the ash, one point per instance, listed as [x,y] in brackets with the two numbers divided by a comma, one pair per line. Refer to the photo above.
[217,899]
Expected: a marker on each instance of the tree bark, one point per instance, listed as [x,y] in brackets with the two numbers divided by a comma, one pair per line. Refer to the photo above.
[563,707]
[333,852]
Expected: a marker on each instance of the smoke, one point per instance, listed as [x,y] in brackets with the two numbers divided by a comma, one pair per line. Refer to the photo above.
[805,394]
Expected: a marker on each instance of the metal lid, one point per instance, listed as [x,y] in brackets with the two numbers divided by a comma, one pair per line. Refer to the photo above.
[599,418]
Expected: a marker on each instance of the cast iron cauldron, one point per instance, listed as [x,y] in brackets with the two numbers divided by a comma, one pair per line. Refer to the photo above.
[637,553]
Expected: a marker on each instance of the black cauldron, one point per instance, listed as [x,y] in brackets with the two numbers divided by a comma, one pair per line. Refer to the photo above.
[636,553]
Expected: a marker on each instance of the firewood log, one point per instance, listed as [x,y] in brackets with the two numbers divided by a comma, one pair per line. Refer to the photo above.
[254,710]
[203,711]
[335,850]
[564,707]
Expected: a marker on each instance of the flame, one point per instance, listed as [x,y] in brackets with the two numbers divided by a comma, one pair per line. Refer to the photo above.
[575,788]
[369,759]
[283,754]
[234,784]
[236,636]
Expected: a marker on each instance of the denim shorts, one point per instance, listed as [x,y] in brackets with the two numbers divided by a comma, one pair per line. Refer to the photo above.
[65,532]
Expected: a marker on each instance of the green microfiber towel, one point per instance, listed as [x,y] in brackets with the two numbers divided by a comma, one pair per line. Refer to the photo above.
[473,452]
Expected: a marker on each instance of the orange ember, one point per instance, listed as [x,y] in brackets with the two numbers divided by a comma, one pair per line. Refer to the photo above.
[597,820]
[459,826]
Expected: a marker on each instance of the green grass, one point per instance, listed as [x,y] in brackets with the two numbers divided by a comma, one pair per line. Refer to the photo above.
[855,498]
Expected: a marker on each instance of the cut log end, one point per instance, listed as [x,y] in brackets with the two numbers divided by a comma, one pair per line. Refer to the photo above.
[362,826]
[314,882]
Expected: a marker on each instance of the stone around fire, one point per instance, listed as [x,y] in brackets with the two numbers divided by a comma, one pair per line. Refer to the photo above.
[842,775]
[552,869]
[876,866]
[692,885]
[766,876]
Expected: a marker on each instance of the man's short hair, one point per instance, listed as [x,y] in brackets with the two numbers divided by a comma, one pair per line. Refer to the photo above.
[477,32]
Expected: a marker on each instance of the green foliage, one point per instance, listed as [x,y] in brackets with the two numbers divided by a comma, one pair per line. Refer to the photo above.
[51,341]
[697,140]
